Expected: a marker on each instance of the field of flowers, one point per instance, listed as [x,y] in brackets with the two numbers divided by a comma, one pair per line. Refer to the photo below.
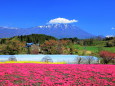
[32,74]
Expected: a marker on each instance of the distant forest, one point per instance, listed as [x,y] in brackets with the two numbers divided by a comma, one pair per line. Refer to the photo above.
[35,38]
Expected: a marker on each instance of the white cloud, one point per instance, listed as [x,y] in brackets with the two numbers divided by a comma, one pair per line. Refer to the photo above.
[61,20]
[108,36]
[113,28]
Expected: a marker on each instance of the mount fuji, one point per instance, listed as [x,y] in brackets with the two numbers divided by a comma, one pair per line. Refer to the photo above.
[57,30]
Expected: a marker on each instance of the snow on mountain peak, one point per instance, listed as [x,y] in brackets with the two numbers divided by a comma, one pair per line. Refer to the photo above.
[60,26]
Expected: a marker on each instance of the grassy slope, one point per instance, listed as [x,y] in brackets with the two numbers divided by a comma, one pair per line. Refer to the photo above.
[95,49]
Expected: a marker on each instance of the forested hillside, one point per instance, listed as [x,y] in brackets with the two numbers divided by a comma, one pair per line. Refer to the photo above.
[35,38]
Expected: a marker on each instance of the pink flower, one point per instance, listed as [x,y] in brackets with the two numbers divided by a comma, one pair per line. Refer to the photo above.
[56,75]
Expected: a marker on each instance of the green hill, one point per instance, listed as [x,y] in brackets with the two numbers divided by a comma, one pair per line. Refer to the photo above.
[35,38]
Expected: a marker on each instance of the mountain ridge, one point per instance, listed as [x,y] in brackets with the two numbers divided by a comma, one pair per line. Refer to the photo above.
[57,30]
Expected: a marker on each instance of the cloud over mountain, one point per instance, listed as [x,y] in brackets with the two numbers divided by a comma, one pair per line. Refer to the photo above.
[61,20]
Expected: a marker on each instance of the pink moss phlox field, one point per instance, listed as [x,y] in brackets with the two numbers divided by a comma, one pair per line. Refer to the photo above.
[29,74]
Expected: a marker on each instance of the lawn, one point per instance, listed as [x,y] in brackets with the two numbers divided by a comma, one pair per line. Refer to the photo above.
[95,49]
[31,74]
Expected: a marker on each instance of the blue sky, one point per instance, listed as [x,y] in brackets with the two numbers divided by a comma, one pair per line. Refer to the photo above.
[94,16]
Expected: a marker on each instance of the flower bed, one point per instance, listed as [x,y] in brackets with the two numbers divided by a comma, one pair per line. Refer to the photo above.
[31,74]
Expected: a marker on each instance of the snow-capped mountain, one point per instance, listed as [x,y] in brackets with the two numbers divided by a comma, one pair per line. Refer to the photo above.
[61,26]
[56,30]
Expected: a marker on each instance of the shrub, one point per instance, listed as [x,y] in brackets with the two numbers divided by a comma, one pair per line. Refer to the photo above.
[107,56]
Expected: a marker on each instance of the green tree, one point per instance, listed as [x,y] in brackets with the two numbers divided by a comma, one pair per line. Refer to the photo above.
[12,47]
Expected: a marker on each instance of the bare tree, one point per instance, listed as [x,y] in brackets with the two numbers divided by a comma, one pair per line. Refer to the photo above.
[89,59]
[78,60]
[12,58]
[47,59]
